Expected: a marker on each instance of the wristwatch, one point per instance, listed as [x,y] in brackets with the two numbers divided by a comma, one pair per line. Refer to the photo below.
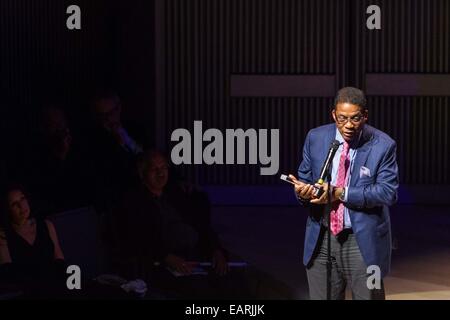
[342,196]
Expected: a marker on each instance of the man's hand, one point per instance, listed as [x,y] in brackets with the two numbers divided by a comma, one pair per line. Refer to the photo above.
[335,193]
[118,134]
[324,197]
[303,190]
[220,263]
[178,264]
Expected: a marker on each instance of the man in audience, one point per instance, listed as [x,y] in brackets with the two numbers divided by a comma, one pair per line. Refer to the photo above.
[160,223]
[114,147]
[55,171]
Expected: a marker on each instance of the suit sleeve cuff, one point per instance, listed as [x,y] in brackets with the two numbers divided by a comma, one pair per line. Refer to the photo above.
[355,197]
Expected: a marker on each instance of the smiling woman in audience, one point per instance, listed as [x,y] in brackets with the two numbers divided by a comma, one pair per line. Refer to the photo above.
[30,254]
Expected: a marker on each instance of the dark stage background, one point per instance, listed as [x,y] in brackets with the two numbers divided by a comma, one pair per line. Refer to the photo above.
[269,64]
[176,61]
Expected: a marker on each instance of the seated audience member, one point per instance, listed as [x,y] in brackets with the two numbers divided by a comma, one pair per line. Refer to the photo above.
[114,147]
[31,258]
[159,223]
[56,173]
[30,254]
[106,109]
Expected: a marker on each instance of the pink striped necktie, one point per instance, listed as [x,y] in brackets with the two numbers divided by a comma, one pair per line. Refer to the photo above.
[337,212]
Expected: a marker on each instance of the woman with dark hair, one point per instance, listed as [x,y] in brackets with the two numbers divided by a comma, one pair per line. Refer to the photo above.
[30,254]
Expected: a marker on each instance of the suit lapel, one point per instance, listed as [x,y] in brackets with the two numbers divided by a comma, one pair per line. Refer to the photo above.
[362,153]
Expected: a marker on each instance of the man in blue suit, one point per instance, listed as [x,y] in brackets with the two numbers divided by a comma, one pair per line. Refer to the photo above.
[364,182]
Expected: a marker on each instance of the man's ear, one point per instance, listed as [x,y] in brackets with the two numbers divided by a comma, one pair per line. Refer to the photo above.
[366,114]
[333,114]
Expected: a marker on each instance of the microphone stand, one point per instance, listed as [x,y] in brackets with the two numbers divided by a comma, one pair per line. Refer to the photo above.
[328,209]
[325,174]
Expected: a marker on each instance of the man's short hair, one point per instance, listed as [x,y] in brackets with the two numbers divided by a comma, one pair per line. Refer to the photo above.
[103,94]
[351,95]
[145,159]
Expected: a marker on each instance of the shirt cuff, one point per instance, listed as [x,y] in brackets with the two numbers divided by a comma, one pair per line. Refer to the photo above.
[346,194]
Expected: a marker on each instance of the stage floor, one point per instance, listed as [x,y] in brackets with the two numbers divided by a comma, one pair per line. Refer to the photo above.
[271,239]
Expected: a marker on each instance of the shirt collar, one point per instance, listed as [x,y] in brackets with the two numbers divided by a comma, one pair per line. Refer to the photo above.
[341,140]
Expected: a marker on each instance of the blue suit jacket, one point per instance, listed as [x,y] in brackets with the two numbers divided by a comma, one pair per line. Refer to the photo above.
[368,197]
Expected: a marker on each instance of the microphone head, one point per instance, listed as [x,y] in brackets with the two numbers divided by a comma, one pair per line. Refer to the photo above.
[335,145]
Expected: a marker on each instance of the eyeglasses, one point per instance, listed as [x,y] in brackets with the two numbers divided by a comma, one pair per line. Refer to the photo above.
[355,119]
[159,169]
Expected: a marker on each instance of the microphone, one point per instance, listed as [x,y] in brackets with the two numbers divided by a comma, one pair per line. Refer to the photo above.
[326,165]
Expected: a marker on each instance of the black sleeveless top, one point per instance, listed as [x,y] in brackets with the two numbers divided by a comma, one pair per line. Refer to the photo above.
[32,260]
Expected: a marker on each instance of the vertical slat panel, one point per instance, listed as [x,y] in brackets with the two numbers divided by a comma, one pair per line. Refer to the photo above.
[41,60]
[309,37]
[413,39]
[257,37]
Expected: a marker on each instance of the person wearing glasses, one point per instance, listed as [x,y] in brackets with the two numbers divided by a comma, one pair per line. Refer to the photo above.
[114,146]
[364,182]
[54,168]
[160,223]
